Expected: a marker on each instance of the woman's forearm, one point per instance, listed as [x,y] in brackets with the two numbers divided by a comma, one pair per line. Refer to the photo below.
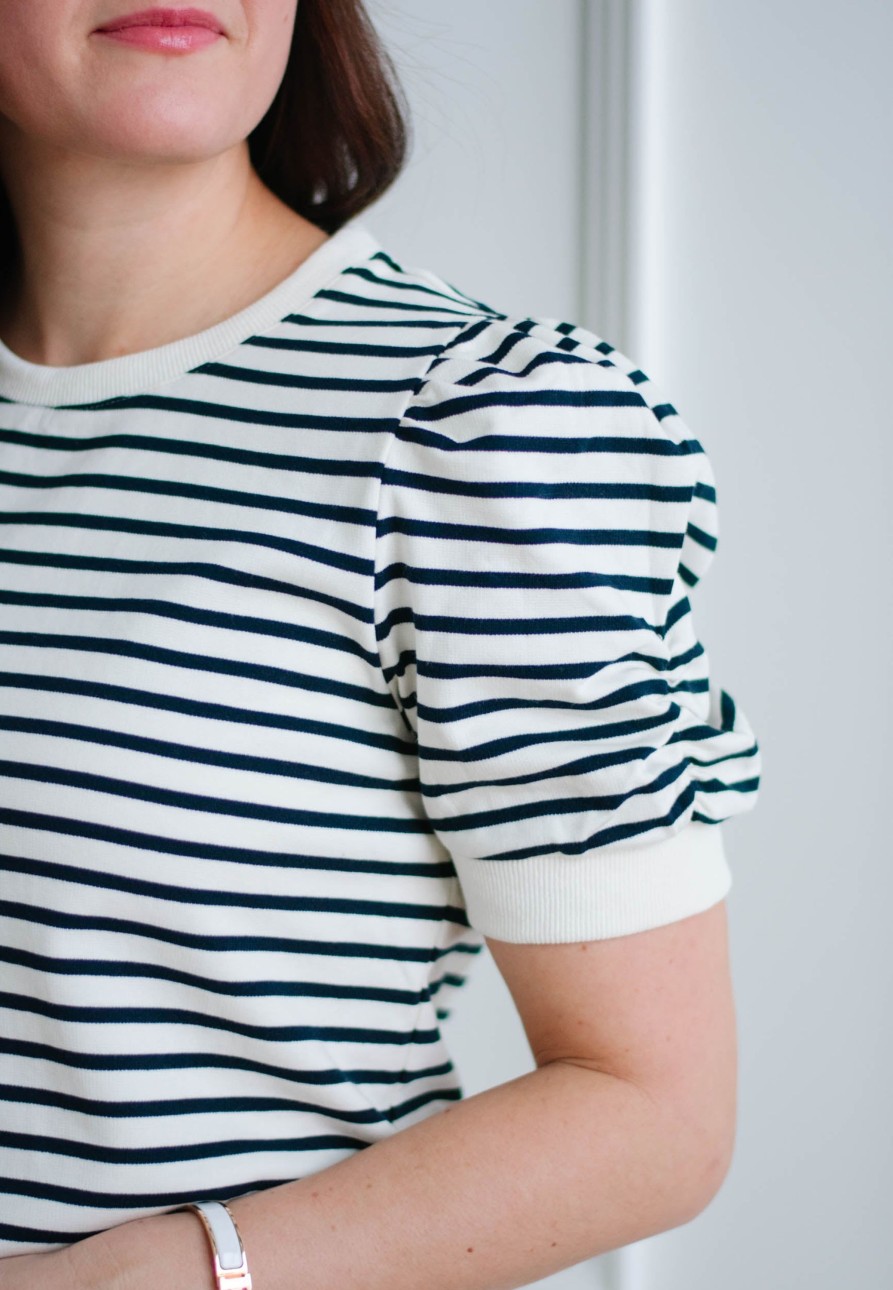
[498,1190]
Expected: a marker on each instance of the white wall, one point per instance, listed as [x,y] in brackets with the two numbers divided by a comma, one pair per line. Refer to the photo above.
[764,304]
[759,237]
[491,196]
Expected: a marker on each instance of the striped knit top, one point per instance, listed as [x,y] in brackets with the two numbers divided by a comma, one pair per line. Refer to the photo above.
[333,639]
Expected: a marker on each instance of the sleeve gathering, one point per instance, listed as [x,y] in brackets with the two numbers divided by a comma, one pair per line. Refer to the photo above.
[543,517]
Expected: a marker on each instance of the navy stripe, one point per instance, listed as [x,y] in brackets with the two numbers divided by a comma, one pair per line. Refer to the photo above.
[223,944]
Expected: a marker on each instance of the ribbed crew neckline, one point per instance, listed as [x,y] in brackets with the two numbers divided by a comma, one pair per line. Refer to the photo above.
[38,383]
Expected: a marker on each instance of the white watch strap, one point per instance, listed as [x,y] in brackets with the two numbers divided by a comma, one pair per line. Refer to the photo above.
[226,1238]
[230,1264]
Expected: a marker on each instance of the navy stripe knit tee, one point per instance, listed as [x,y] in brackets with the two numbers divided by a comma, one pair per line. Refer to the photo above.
[333,639]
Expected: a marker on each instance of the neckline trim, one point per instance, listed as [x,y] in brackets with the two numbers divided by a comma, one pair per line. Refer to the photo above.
[46,386]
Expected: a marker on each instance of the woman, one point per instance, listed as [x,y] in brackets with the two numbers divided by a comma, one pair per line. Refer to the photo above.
[345,629]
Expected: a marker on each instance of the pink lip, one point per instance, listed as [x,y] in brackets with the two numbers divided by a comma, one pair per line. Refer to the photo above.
[171,40]
[165,18]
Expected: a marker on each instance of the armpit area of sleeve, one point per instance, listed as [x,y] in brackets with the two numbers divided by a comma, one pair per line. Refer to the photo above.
[609,891]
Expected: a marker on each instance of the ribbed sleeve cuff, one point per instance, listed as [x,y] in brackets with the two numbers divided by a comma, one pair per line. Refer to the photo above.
[610,891]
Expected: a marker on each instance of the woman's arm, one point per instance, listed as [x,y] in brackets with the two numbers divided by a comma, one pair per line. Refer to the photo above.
[623,1130]
[502,1189]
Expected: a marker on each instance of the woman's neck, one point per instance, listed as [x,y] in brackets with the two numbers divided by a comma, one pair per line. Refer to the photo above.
[112,269]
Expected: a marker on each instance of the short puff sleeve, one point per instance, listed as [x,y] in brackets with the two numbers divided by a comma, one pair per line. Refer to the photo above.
[543,518]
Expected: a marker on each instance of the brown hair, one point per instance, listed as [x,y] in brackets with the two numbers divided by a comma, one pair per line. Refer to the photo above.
[337,133]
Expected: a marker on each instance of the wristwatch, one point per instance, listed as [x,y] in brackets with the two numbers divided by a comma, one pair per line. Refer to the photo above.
[230,1264]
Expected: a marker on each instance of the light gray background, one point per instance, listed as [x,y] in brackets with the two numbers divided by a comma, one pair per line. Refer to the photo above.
[757,222]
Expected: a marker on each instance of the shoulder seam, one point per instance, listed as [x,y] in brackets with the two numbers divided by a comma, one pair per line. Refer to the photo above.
[418,385]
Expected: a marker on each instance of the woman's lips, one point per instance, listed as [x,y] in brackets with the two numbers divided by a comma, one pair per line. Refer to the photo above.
[167,30]
[165,39]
